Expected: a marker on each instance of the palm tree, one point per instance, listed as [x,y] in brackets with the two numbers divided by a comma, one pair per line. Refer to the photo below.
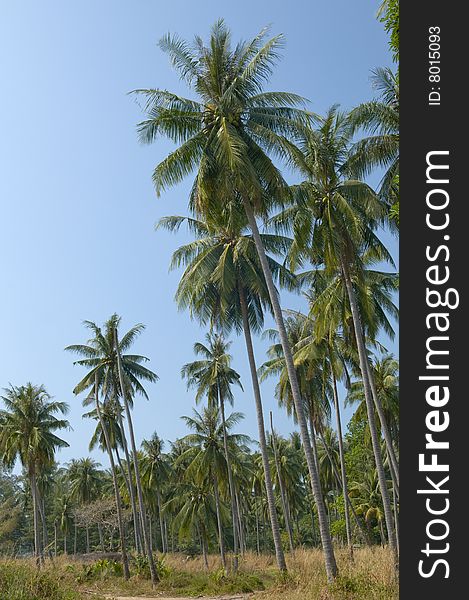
[368,500]
[124,377]
[209,445]
[118,376]
[313,393]
[386,377]
[223,285]
[343,215]
[213,376]
[195,513]
[330,309]
[155,472]
[227,137]
[28,426]
[85,479]
[379,118]
[65,516]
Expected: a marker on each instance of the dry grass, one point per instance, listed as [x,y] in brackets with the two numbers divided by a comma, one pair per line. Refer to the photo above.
[370,577]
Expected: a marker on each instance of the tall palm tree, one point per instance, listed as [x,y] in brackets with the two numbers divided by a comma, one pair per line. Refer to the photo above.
[341,216]
[124,377]
[223,285]
[155,473]
[28,426]
[213,376]
[118,376]
[85,479]
[228,136]
[209,444]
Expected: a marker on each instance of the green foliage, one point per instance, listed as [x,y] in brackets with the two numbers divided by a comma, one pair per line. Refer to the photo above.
[389,15]
[21,581]
[101,569]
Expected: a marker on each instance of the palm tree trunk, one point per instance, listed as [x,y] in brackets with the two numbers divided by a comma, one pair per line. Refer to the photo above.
[87,532]
[234,506]
[75,537]
[393,464]
[221,542]
[55,538]
[45,534]
[240,523]
[258,545]
[370,410]
[329,558]
[281,486]
[396,517]
[125,561]
[154,575]
[280,556]
[163,541]
[37,540]
[135,515]
[342,462]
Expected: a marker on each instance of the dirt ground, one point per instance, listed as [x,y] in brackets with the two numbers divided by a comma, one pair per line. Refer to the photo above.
[231,597]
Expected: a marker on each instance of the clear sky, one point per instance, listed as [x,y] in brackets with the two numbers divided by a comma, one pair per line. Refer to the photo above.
[77,206]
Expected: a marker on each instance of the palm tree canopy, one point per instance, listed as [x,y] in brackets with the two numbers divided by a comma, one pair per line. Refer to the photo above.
[28,426]
[227,134]
[100,357]
[211,375]
[221,263]
[85,479]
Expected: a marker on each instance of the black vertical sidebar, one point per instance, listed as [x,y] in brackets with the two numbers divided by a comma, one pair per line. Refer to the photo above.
[434,331]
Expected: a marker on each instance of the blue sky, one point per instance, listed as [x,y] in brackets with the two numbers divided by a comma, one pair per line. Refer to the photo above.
[77,207]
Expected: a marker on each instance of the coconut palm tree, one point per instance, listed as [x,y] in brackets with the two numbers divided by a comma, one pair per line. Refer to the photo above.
[339,217]
[209,444]
[223,285]
[380,119]
[386,377]
[117,375]
[28,426]
[228,136]
[213,376]
[85,479]
[155,473]
[124,377]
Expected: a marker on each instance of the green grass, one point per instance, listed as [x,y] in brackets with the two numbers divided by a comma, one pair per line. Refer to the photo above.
[23,581]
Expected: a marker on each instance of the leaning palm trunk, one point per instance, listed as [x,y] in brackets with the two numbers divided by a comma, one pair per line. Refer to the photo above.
[220,524]
[283,497]
[282,565]
[393,464]
[234,504]
[154,575]
[329,558]
[342,463]
[120,520]
[136,517]
[370,411]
